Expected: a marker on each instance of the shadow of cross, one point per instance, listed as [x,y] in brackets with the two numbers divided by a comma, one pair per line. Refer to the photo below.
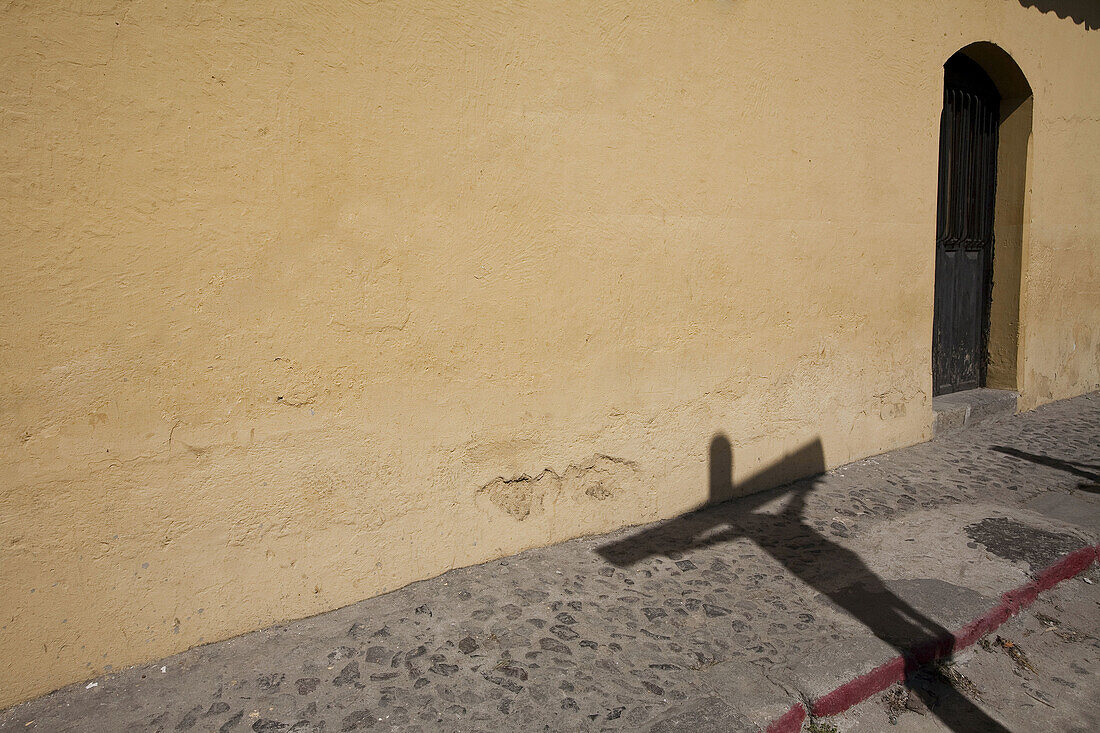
[830,568]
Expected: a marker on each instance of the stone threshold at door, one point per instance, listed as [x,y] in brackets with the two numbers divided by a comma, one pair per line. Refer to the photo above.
[958,410]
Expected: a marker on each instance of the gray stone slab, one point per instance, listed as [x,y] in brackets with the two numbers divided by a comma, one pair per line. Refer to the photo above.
[710,715]
[1082,509]
[829,662]
[959,410]
[944,603]
[948,418]
[759,698]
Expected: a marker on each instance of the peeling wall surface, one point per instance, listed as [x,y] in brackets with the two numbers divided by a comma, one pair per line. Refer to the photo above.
[302,302]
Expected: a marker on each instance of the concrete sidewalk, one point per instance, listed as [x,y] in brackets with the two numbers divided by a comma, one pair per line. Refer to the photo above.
[728,619]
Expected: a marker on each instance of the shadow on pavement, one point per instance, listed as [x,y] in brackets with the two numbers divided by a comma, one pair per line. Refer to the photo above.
[1086,471]
[831,569]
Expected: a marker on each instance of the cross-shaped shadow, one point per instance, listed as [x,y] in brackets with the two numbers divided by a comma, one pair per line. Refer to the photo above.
[832,569]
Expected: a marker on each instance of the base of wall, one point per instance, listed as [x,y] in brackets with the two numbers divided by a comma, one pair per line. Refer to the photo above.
[959,410]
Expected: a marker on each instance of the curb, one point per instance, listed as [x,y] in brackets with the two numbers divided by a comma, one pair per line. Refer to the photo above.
[878,679]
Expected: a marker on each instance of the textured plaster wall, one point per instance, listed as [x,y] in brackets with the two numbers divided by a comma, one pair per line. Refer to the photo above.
[1059,351]
[302,303]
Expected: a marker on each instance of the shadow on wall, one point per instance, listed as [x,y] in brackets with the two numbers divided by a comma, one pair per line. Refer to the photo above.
[1085,12]
[830,568]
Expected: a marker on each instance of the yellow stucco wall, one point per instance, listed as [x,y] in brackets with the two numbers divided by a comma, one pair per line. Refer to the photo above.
[287,289]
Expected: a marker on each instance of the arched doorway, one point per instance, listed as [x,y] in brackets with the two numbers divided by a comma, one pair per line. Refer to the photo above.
[985,129]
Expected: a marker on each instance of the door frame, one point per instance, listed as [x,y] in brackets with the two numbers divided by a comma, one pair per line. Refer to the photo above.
[1006,302]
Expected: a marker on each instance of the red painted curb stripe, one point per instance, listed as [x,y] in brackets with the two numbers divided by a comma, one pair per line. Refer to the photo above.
[864,686]
[790,722]
[1012,602]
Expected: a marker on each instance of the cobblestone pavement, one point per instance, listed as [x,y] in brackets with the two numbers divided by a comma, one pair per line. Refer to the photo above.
[714,621]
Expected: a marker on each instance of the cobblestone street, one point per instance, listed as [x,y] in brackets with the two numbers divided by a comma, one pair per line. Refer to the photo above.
[720,620]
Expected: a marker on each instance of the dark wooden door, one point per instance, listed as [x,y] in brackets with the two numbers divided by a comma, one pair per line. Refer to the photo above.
[964,227]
